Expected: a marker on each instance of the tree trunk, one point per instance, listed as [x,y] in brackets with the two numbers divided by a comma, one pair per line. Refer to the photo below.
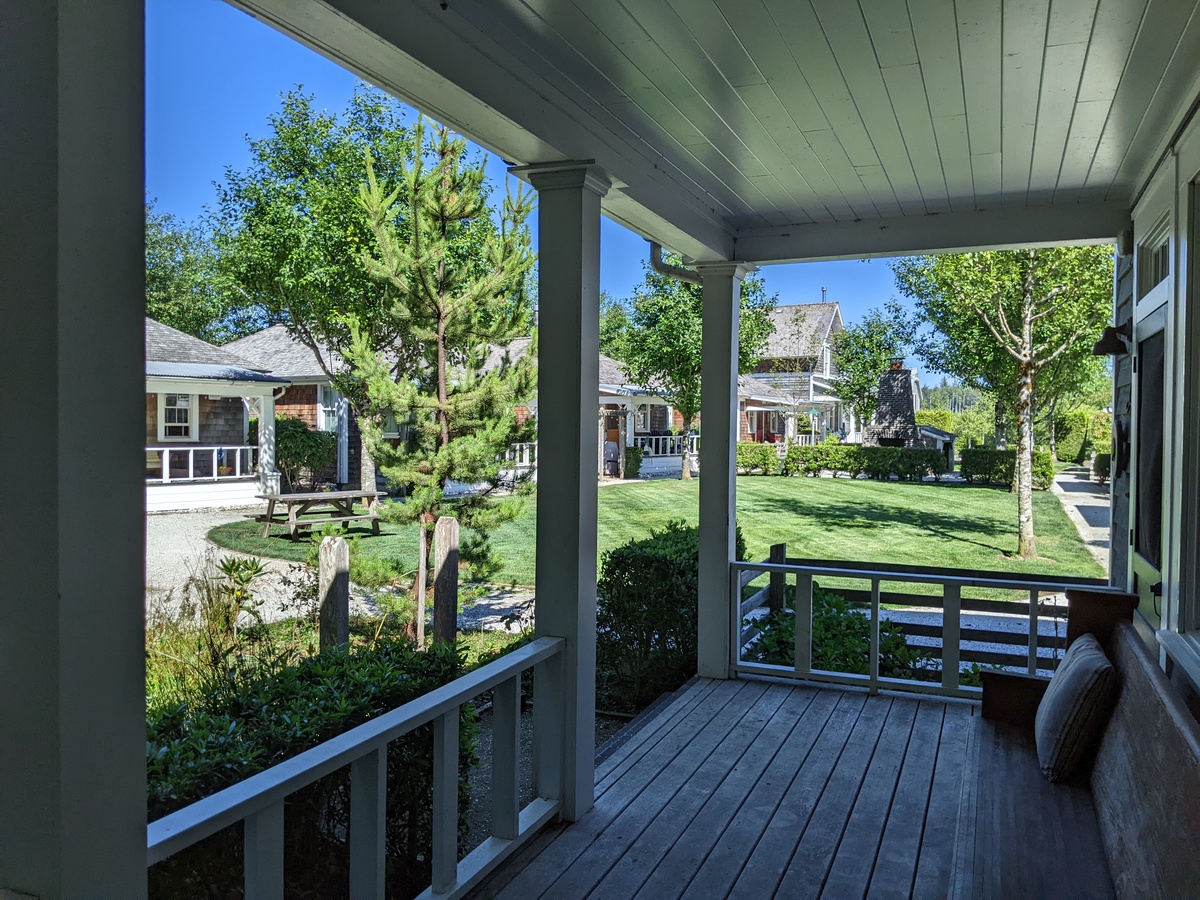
[1053,428]
[685,472]
[1026,546]
[1001,438]
[366,467]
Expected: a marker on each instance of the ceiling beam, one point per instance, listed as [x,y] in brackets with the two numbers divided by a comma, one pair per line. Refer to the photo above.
[996,229]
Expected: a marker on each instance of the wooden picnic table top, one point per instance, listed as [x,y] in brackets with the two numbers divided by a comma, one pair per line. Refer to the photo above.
[321,495]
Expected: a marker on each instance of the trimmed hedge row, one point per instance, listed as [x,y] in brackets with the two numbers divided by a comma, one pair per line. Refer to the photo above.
[936,418]
[1082,432]
[906,463]
[195,750]
[646,616]
[999,467]
[753,456]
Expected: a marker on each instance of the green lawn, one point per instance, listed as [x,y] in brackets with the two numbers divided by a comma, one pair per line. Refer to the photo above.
[824,518]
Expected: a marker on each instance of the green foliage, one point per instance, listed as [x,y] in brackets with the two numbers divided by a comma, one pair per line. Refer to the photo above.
[936,418]
[633,462]
[1103,466]
[196,749]
[841,639]
[614,326]
[906,463]
[1073,435]
[752,457]
[988,466]
[975,426]
[661,346]
[1101,431]
[185,287]
[299,449]
[956,398]
[861,354]
[1043,470]
[646,616]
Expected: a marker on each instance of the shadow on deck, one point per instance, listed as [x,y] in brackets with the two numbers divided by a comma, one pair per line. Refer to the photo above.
[753,789]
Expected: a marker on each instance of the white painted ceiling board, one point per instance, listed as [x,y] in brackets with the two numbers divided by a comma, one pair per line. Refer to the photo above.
[954,151]
[891,32]
[1087,124]
[1112,39]
[979,44]
[936,36]
[1060,85]
[907,93]
[1023,33]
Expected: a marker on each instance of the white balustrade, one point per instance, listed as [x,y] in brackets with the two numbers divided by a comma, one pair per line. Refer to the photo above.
[259,800]
[1001,632]
[189,462]
[665,444]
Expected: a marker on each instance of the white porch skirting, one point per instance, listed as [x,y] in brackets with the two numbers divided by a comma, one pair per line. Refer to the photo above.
[201,495]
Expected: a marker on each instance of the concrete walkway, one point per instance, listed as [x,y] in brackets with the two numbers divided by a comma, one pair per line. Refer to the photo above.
[1086,502]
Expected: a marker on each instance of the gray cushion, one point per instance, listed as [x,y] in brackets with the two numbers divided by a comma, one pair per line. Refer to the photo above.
[1075,709]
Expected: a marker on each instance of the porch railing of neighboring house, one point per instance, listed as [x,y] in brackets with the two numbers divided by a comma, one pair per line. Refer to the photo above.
[259,800]
[667,444]
[1026,634]
[167,464]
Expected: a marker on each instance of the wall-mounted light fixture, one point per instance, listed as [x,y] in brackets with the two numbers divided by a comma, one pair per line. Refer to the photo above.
[1116,340]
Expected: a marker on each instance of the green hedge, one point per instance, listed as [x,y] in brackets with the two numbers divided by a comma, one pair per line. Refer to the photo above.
[753,456]
[936,418]
[1103,466]
[999,467]
[633,462]
[195,750]
[1072,433]
[646,617]
[906,463]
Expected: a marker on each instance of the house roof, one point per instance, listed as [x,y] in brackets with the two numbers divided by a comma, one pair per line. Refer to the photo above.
[172,354]
[276,351]
[801,329]
[751,388]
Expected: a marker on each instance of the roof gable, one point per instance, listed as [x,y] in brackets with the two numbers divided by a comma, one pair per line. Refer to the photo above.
[801,329]
[165,344]
[278,352]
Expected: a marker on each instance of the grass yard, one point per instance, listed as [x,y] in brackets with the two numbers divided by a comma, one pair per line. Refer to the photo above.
[824,518]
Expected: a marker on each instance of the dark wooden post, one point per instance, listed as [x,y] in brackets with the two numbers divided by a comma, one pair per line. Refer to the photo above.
[333,581]
[775,593]
[445,579]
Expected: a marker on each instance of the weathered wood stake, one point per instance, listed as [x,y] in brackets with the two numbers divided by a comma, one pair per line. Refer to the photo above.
[333,580]
[422,578]
[775,592]
[445,579]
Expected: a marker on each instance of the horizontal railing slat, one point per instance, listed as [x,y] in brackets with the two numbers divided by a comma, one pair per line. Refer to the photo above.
[205,817]
[1007,582]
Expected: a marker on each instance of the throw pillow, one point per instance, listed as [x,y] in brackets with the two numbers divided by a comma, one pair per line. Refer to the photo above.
[1072,715]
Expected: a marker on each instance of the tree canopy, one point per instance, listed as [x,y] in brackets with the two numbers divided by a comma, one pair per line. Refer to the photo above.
[861,353]
[661,346]
[1001,318]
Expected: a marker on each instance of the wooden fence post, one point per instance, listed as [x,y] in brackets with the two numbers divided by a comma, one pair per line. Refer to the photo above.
[445,579]
[334,589]
[775,594]
[422,577]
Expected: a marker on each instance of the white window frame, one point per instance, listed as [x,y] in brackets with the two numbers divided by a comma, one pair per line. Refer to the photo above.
[327,398]
[193,435]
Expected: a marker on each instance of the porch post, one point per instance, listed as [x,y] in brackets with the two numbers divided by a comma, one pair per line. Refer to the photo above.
[568,374]
[72,616]
[722,287]
[268,473]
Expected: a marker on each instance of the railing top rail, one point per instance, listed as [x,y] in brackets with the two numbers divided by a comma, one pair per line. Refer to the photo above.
[939,571]
[205,817]
[992,580]
[185,446]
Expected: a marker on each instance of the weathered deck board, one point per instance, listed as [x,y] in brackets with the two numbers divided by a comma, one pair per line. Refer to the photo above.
[749,789]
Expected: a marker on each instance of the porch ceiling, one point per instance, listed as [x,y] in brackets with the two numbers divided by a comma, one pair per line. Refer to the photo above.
[773,130]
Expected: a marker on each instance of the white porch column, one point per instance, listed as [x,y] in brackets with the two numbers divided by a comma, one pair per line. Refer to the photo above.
[568,374]
[268,473]
[72,693]
[722,286]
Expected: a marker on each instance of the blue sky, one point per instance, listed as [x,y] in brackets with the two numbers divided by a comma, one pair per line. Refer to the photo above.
[214,74]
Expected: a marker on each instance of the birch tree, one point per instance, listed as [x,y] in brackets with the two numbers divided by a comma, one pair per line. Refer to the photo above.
[1017,311]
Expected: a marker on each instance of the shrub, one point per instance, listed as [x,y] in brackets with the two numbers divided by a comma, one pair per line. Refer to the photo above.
[633,462]
[300,449]
[1072,433]
[999,467]
[753,456]
[194,750]
[1101,431]
[906,463]
[646,617]
[841,639]
[1103,466]
[936,418]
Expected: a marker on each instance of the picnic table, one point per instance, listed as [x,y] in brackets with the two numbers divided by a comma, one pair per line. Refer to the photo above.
[342,503]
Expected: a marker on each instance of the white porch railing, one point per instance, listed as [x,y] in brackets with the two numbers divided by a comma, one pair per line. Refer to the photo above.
[259,800]
[167,464]
[1026,634]
[667,444]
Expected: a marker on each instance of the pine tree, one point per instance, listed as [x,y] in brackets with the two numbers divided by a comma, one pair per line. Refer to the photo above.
[458,280]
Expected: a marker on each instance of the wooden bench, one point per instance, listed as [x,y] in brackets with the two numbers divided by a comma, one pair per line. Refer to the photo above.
[1121,832]
[341,503]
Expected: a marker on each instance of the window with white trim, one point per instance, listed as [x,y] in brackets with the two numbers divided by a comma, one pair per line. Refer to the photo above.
[178,415]
[328,401]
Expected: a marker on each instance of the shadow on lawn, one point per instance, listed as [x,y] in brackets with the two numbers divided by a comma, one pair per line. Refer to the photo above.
[950,526]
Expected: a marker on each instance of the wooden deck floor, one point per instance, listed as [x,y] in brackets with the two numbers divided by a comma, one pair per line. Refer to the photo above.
[749,789]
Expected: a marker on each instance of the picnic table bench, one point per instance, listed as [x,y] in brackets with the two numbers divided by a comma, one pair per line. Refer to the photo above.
[342,503]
